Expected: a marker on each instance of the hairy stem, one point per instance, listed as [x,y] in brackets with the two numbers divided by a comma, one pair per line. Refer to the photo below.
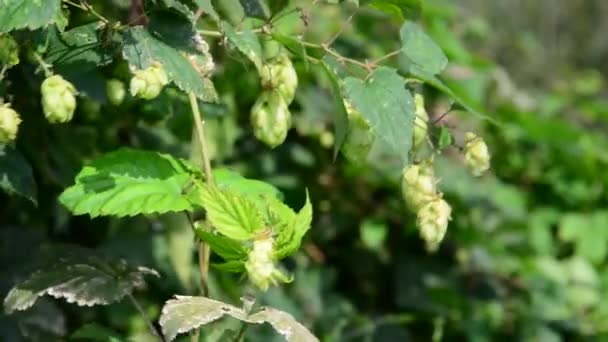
[143,314]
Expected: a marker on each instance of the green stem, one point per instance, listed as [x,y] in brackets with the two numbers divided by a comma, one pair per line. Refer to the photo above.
[146,318]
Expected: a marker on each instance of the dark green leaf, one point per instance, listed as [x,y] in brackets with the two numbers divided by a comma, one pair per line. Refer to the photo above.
[253,8]
[17,14]
[246,42]
[96,332]
[130,182]
[79,277]
[141,49]
[277,6]
[341,118]
[16,174]
[421,50]
[401,9]
[80,47]
[387,106]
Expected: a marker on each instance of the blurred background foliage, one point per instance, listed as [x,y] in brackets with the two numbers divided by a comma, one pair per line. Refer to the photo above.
[525,254]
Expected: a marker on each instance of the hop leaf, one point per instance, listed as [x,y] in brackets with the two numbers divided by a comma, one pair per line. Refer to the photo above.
[149,82]
[279,74]
[359,137]
[270,118]
[433,220]
[476,154]
[9,124]
[58,99]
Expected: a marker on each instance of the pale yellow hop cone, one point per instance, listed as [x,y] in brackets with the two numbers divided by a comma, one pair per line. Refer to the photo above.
[279,74]
[359,137]
[476,154]
[270,118]
[9,124]
[432,220]
[260,265]
[148,83]
[58,99]
[418,184]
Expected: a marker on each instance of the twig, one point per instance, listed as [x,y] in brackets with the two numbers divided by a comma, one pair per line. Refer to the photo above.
[143,314]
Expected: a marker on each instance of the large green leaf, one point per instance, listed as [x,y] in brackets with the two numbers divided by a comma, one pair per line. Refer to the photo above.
[129,182]
[79,277]
[402,9]
[81,45]
[290,239]
[16,174]
[341,117]
[185,313]
[141,49]
[387,106]
[207,8]
[252,188]
[421,50]
[232,214]
[31,14]
[246,42]
[225,247]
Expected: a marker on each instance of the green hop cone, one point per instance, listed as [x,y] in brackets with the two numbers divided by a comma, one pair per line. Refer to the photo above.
[432,220]
[279,74]
[149,82]
[359,137]
[116,91]
[476,154]
[9,53]
[418,184]
[58,99]
[9,124]
[270,118]
[420,123]
[261,267]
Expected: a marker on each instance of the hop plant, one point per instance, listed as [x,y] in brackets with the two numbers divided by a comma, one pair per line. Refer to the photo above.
[420,122]
[149,82]
[203,64]
[9,124]
[116,91]
[9,54]
[260,265]
[418,184]
[270,118]
[476,154]
[280,74]
[359,137]
[58,99]
[432,220]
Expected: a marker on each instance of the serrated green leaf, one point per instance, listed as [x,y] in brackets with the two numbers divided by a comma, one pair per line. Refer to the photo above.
[401,9]
[253,8]
[246,42]
[284,324]
[179,7]
[436,83]
[232,214]
[252,188]
[141,49]
[31,14]
[289,241]
[185,313]
[16,174]
[388,108]
[96,332]
[225,247]
[81,45]
[129,182]
[341,117]
[294,45]
[421,50]
[79,277]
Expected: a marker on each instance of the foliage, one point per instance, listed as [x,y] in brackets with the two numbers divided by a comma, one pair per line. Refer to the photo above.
[341,170]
